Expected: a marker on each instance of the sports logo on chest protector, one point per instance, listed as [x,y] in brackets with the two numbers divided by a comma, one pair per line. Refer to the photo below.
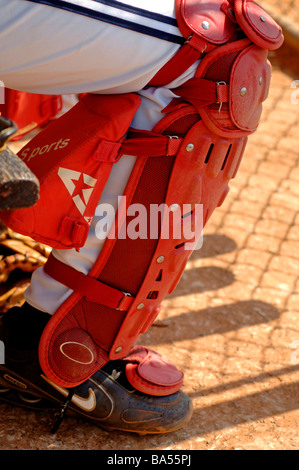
[79,185]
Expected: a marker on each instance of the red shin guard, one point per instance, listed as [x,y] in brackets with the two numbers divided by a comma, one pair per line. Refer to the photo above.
[186,161]
[99,322]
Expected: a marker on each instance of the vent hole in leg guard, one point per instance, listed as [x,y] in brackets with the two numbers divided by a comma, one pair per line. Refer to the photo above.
[188,214]
[226,157]
[153,294]
[209,153]
[180,246]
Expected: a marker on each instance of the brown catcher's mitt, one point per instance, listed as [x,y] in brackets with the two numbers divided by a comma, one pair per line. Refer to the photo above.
[19,257]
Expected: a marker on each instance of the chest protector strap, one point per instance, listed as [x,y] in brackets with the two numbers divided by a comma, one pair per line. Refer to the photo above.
[186,162]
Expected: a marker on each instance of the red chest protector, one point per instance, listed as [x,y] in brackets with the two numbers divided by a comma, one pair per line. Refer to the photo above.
[72,159]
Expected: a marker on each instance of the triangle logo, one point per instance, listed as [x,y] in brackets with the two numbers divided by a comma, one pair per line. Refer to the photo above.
[79,185]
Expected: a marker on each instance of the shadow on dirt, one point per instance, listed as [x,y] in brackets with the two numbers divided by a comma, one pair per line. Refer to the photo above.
[213,245]
[213,320]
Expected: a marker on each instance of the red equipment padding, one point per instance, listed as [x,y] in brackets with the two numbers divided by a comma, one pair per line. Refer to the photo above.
[208,24]
[191,17]
[251,67]
[72,159]
[29,110]
[244,83]
[149,373]
[131,266]
[206,131]
[258,24]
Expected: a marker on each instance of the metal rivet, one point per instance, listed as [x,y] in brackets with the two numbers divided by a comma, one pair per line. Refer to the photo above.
[206,25]
[160,259]
[118,350]
[243,91]
[261,80]
[140,306]
[174,207]
[190,147]
[263,19]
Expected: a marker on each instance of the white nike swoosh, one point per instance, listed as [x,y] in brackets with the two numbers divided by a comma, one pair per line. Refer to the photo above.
[86,404]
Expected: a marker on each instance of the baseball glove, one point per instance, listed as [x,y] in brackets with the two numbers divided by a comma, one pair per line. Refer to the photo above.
[20,256]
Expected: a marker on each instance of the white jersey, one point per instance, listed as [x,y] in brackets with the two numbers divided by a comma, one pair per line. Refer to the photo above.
[77,46]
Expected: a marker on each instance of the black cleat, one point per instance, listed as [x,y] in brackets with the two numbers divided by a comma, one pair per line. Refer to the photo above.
[106,399]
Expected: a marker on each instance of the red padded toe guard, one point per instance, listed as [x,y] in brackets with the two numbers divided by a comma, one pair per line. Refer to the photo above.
[149,373]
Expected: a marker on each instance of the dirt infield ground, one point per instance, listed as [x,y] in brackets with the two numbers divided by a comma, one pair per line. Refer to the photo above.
[232,323]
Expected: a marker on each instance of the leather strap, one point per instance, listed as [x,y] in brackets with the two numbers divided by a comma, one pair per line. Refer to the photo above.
[87,286]
[149,144]
[186,56]
[201,92]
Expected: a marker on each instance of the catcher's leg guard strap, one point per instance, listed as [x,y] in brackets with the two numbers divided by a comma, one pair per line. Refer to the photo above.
[87,286]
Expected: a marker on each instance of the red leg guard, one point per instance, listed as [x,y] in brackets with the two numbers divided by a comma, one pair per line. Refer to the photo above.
[188,160]
[96,326]
[87,331]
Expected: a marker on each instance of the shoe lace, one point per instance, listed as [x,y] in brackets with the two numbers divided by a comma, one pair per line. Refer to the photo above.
[58,417]
[115,374]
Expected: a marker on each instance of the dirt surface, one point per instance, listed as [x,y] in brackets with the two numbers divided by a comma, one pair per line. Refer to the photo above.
[232,322]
